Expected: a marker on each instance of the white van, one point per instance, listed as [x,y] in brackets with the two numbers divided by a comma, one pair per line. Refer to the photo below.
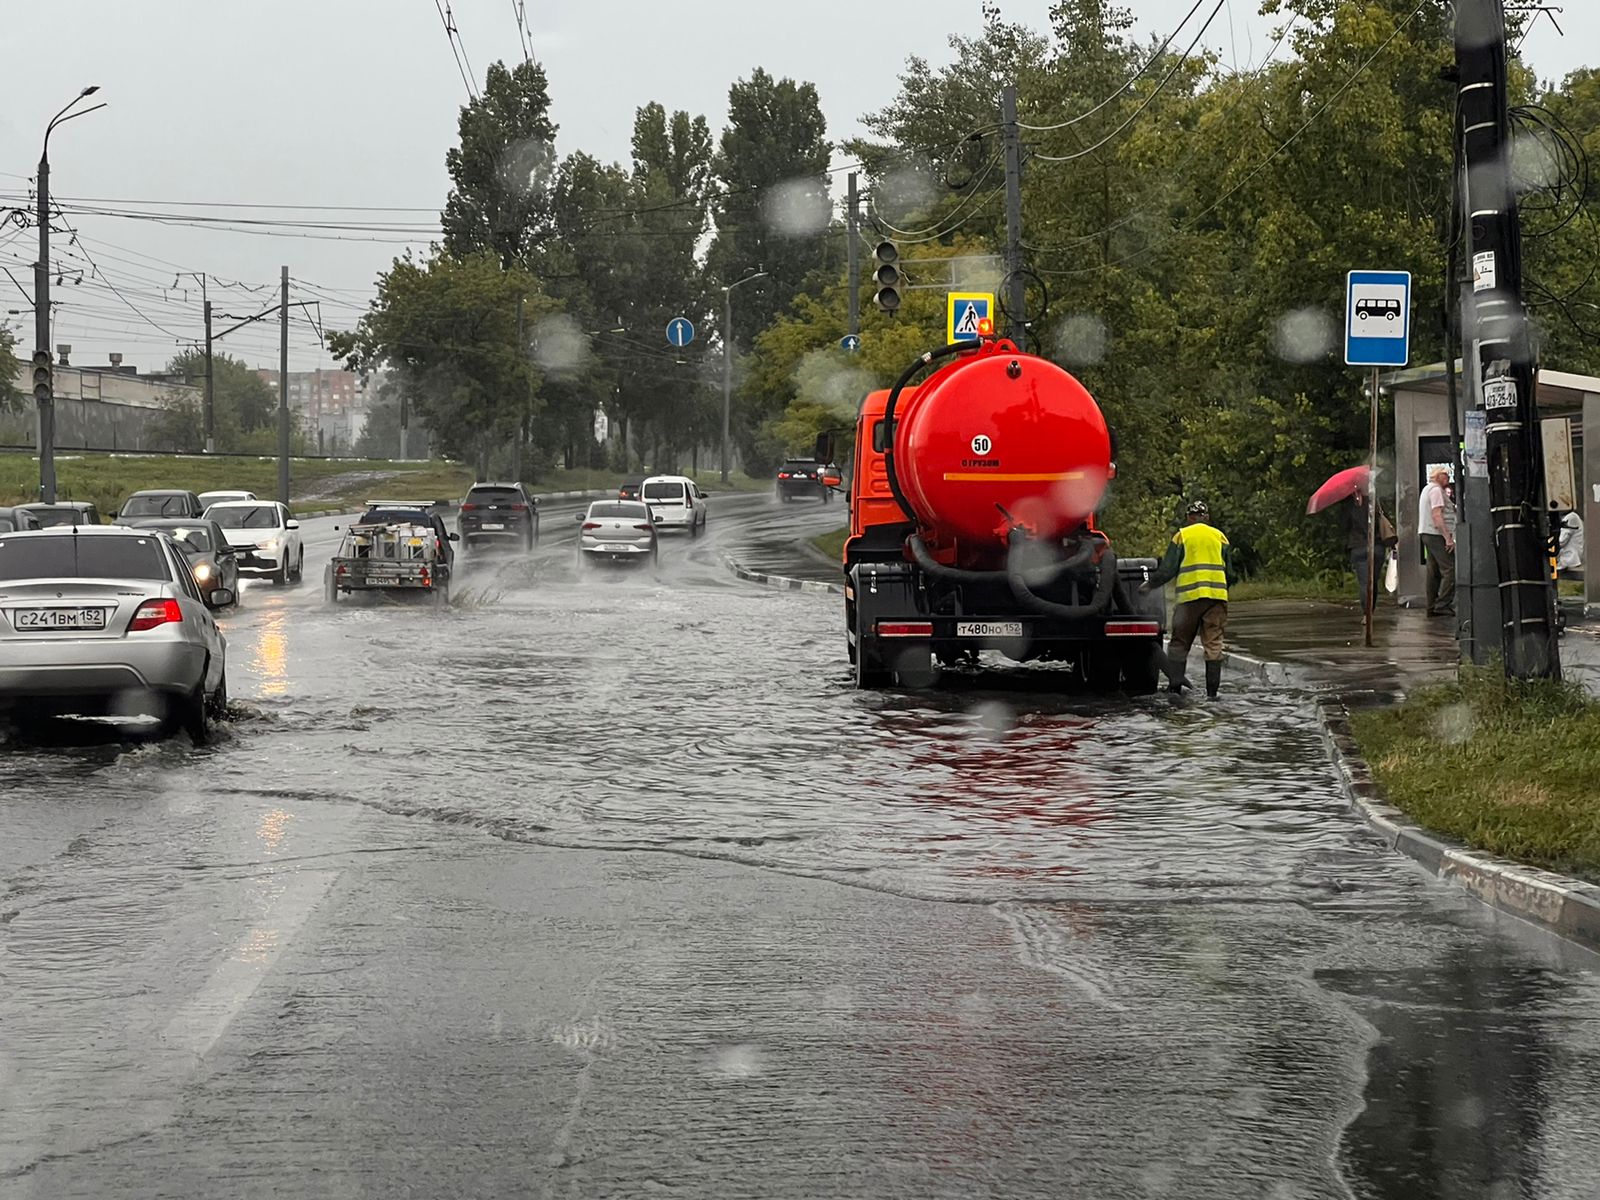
[675,502]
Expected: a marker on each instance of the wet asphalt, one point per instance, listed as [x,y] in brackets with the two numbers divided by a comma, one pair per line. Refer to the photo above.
[611,884]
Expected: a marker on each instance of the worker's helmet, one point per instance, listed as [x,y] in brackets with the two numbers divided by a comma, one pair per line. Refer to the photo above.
[1199,509]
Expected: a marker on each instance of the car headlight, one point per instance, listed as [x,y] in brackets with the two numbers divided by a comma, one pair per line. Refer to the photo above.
[270,544]
[203,571]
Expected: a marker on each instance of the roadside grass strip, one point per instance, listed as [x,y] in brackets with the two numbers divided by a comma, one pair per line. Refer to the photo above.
[1509,767]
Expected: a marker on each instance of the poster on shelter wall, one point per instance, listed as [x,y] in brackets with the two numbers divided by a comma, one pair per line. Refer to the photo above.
[1560,488]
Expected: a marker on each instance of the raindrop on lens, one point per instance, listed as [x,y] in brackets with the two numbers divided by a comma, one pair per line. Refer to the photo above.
[1304,335]
[796,208]
[1081,339]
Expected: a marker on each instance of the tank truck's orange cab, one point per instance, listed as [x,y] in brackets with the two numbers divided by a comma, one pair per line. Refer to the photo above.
[972,527]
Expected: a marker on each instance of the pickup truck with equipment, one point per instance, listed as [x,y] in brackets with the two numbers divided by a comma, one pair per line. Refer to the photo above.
[393,550]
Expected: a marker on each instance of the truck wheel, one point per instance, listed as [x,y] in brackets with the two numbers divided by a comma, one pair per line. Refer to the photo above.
[1141,669]
[871,674]
[1102,669]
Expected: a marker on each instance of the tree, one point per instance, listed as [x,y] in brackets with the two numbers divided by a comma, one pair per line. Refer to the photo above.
[11,398]
[447,328]
[245,409]
[500,171]
[773,206]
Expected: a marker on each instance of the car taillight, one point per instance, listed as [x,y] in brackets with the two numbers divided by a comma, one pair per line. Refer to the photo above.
[517,507]
[591,524]
[469,508]
[645,528]
[155,612]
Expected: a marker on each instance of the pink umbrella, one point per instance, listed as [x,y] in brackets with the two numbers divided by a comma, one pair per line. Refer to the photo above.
[1340,487]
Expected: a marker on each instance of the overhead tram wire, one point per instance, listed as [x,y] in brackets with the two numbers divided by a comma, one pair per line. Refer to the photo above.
[95,267]
[1126,84]
[447,18]
[1138,112]
[1260,166]
[946,224]
[1194,153]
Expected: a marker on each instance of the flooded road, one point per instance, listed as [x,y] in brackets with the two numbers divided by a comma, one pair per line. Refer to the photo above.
[612,884]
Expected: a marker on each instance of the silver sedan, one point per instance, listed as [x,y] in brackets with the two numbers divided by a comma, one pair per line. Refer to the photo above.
[108,621]
[617,531]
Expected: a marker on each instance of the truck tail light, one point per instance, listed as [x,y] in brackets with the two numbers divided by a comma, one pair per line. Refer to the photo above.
[1133,629]
[905,628]
[155,612]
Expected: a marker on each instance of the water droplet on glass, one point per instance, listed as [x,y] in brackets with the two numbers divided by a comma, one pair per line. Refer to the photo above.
[796,208]
[1081,339]
[1304,335]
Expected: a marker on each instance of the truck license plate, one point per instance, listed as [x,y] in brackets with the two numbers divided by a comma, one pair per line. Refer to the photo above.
[989,629]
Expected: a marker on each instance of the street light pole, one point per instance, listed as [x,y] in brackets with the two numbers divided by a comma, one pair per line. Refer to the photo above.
[727,360]
[44,392]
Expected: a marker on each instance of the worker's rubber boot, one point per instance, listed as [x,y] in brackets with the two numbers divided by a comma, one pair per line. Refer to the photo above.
[1177,679]
[1213,678]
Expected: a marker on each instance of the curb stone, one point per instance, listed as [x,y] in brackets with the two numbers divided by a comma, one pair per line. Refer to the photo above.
[1568,907]
[782,582]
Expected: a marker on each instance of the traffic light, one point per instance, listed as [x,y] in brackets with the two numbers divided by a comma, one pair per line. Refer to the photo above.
[41,376]
[887,276]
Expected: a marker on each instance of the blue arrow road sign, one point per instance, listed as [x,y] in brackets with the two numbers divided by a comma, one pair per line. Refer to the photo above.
[850,342]
[1377,318]
[680,331]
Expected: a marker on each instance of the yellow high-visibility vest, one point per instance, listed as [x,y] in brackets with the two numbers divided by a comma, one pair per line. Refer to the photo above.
[1202,576]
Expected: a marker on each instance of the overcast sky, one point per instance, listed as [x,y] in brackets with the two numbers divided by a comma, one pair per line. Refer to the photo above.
[354,102]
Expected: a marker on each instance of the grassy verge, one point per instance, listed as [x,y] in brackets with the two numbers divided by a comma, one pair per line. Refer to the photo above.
[107,479]
[1511,768]
[1329,588]
[597,479]
[832,544]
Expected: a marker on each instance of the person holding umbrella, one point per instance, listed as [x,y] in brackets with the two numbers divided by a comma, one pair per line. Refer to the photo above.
[1353,485]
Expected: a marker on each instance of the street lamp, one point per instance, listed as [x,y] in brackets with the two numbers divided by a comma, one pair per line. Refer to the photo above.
[727,359]
[44,388]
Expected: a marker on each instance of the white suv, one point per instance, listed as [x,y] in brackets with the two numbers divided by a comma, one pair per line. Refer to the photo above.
[265,535]
[675,502]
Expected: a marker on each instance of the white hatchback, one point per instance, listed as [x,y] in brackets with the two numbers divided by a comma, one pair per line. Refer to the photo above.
[675,502]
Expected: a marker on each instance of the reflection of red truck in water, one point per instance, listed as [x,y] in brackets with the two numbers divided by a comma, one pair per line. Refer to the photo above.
[972,527]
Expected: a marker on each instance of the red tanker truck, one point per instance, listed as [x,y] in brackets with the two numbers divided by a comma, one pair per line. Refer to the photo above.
[972,527]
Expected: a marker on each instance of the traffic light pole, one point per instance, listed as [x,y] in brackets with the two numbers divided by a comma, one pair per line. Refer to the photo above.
[44,391]
[1013,286]
[1505,360]
[852,252]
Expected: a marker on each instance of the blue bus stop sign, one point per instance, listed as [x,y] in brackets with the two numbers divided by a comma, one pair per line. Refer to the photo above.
[1377,318]
[680,331]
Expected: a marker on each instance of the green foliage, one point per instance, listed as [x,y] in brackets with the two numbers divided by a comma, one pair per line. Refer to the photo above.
[774,203]
[11,397]
[1504,765]
[500,170]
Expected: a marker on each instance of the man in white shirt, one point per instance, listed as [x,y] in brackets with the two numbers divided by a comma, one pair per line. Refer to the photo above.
[1439,541]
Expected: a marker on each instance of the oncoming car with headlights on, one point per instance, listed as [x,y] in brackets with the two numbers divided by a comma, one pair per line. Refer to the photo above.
[264,535]
[214,562]
[108,621]
[618,531]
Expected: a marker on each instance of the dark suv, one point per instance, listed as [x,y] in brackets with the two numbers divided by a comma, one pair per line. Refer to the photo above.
[802,477]
[499,512]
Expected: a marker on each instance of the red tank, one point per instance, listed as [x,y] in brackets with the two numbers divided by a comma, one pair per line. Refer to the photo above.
[1000,429]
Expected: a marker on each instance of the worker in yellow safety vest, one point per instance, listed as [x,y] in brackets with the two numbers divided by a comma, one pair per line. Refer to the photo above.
[1201,560]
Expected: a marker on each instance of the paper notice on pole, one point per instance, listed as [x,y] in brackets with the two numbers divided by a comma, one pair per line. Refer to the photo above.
[1476,446]
[1483,271]
[1499,393]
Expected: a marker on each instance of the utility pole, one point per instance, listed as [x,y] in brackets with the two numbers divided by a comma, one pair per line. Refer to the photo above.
[211,394]
[1013,298]
[516,442]
[727,372]
[852,251]
[283,390]
[1505,360]
[44,395]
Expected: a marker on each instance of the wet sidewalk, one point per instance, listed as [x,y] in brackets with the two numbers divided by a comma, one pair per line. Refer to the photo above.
[1324,645]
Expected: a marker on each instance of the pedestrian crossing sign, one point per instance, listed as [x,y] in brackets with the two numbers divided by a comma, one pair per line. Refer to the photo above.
[969,316]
